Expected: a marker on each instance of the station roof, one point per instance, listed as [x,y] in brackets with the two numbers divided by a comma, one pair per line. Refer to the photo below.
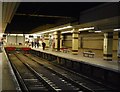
[30,15]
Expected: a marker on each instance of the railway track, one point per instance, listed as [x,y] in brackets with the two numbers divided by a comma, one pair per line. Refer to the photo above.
[54,79]
[75,82]
[28,78]
[93,85]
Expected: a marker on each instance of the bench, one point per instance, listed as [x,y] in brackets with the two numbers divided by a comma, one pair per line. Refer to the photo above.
[88,54]
[65,50]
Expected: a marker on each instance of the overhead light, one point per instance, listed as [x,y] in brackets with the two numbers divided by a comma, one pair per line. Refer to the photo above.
[15,34]
[66,32]
[83,29]
[90,31]
[12,34]
[97,31]
[62,28]
[117,29]
[19,34]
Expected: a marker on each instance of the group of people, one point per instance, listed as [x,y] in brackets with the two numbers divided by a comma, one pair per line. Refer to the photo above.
[37,44]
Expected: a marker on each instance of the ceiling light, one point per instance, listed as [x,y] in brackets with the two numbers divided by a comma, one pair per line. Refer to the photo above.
[15,34]
[97,31]
[66,32]
[90,31]
[83,29]
[12,34]
[62,28]
[117,29]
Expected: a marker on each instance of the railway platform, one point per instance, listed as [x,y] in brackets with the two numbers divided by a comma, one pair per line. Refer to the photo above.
[112,65]
[107,72]
[7,80]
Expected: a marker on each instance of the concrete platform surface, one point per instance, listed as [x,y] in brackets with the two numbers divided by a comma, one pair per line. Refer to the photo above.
[6,79]
[111,65]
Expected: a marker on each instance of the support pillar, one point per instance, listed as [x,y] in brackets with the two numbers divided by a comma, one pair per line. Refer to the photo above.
[61,41]
[24,39]
[81,42]
[16,40]
[46,40]
[108,45]
[75,42]
[55,37]
[118,52]
[57,40]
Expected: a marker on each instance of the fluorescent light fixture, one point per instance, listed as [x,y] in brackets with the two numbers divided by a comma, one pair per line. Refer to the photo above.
[19,34]
[12,34]
[90,31]
[83,29]
[97,31]
[66,32]
[117,29]
[62,28]
[15,34]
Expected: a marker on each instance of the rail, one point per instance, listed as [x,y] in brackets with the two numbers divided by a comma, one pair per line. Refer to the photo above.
[84,88]
[38,76]
[85,77]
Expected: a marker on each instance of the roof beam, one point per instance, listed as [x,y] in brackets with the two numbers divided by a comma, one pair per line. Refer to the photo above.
[37,15]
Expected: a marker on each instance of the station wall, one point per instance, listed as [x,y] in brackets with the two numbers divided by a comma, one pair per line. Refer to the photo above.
[92,41]
[15,40]
[20,39]
[11,40]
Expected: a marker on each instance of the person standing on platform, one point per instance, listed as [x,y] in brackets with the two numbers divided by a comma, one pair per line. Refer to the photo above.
[37,44]
[32,44]
[43,45]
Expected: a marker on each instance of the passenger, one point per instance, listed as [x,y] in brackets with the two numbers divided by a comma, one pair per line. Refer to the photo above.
[43,45]
[32,44]
[37,44]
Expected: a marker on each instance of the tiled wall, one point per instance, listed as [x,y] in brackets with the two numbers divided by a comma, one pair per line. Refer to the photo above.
[92,41]
[15,40]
